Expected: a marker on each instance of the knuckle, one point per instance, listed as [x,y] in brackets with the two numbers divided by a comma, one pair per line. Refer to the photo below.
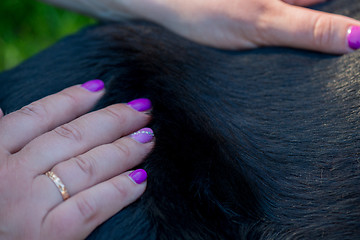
[292,2]
[323,30]
[123,150]
[261,24]
[69,131]
[85,164]
[264,7]
[36,110]
[59,225]
[121,190]
[115,112]
[70,99]
[87,208]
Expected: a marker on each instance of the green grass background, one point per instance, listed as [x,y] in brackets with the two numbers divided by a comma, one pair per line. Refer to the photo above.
[28,26]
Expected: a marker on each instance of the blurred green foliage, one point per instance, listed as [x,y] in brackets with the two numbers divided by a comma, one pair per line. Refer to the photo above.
[28,26]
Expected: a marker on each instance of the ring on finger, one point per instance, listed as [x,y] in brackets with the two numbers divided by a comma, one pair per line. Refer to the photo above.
[59,184]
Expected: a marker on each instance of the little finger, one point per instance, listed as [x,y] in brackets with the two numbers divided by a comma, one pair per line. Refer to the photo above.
[77,217]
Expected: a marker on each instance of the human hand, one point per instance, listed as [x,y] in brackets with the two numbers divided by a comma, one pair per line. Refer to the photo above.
[247,24]
[88,154]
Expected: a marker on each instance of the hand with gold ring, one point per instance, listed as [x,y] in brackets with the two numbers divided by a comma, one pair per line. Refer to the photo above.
[60,178]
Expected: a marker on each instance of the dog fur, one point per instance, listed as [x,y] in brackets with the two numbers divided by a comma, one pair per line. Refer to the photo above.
[260,144]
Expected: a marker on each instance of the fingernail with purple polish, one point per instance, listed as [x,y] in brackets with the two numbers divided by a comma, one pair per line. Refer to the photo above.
[140,104]
[144,135]
[138,176]
[353,37]
[94,85]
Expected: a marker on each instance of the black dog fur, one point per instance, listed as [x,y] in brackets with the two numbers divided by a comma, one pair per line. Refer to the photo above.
[261,144]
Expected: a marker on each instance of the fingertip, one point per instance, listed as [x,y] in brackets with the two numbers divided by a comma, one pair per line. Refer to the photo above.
[144,135]
[138,183]
[353,37]
[87,93]
[138,176]
[141,104]
[131,185]
[95,85]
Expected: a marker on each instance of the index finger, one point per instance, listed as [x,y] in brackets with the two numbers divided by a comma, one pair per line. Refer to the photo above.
[20,127]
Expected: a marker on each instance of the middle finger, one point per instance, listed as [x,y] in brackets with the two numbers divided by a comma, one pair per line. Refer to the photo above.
[74,138]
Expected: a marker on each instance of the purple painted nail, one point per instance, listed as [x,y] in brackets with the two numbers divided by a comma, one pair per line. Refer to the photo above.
[140,104]
[138,176]
[144,135]
[94,85]
[353,37]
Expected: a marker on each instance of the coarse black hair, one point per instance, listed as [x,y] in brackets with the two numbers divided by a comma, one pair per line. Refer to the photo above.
[258,144]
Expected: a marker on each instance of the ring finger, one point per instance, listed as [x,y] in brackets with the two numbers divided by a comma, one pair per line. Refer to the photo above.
[95,166]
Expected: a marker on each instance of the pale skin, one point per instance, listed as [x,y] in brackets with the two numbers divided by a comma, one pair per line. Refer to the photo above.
[91,153]
[232,24]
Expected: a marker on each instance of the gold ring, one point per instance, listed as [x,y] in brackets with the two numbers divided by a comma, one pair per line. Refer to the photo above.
[64,193]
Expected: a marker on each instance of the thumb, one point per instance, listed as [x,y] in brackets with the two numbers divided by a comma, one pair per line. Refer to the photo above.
[299,27]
